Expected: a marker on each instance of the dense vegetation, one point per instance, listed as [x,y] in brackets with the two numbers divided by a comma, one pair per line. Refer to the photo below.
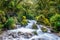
[45,12]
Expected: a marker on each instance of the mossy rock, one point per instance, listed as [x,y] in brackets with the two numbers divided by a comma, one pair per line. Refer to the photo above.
[34,26]
[13,26]
[24,21]
[35,33]
[41,19]
[44,29]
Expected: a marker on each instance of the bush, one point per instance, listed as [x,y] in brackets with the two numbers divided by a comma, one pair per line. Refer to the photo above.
[30,16]
[10,24]
[55,22]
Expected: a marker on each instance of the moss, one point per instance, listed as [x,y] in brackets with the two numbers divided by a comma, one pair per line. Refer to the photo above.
[24,21]
[34,26]
[44,29]
[35,33]
[42,20]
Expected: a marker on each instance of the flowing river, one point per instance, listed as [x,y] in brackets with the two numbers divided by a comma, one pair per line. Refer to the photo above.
[27,33]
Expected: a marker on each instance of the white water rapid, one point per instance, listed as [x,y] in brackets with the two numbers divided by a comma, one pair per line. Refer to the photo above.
[27,33]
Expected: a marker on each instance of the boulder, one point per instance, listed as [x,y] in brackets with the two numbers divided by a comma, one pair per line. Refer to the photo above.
[34,26]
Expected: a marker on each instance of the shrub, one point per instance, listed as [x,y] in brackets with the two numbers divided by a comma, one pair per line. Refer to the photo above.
[55,22]
[30,16]
[10,23]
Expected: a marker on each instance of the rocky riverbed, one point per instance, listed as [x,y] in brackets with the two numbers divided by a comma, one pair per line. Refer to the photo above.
[29,33]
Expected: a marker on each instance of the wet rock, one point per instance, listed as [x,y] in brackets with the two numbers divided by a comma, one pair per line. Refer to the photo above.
[19,33]
[9,37]
[35,33]
[44,29]
[13,34]
[18,26]
[33,39]
[57,34]
[28,35]
[1,38]
[34,26]
[22,33]
[1,31]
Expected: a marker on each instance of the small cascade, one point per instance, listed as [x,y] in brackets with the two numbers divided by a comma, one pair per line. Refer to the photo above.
[27,33]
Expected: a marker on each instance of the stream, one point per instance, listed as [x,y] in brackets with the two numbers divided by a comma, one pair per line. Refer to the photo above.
[27,33]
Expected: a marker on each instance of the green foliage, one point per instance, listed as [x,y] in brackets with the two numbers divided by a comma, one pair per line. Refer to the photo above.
[30,9]
[30,16]
[2,16]
[55,22]
[10,23]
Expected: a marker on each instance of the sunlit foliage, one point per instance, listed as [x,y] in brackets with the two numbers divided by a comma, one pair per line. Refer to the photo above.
[41,10]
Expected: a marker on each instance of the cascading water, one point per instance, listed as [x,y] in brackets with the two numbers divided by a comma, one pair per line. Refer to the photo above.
[27,33]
